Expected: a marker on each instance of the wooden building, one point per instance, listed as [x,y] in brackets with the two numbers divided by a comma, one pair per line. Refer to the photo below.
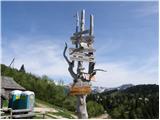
[7,85]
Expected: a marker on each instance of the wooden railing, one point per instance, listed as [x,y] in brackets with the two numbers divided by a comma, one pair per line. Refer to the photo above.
[8,113]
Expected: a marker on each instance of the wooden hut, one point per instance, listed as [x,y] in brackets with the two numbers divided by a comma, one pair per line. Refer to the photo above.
[7,85]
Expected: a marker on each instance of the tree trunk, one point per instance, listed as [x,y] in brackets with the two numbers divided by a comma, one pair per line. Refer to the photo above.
[81,107]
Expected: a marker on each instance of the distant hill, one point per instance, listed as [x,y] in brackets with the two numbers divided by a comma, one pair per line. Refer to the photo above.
[126,101]
[140,101]
[97,89]
[125,86]
[46,90]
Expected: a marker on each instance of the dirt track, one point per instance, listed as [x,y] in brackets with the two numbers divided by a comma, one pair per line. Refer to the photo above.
[103,116]
[45,109]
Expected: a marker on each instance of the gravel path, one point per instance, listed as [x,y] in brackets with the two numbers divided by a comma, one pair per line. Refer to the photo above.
[103,116]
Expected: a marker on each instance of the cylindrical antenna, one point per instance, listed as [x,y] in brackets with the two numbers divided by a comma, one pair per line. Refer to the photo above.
[82,19]
[91,24]
[77,22]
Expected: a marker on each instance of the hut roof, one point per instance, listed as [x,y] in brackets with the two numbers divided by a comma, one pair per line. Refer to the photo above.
[9,83]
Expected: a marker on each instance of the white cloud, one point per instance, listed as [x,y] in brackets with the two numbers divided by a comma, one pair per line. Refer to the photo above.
[108,46]
[147,9]
[44,57]
[119,73]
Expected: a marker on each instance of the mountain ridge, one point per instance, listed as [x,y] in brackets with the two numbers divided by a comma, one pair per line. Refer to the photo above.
[137,101]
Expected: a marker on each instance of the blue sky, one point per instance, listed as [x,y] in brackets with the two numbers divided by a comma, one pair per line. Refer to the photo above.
[126,38]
